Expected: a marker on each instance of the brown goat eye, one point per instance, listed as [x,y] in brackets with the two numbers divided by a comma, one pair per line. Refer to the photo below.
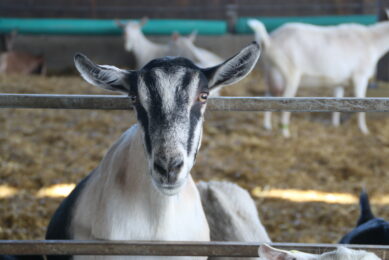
[203,97]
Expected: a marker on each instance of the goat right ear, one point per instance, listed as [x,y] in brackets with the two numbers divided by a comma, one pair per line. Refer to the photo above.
[234,69]
[192,37]
[103,76]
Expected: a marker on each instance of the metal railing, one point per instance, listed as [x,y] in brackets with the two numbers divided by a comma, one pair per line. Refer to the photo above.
[111,102]
[148,248]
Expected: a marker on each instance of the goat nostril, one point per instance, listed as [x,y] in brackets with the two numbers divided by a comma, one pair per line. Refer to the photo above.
[175,166]
[159,168]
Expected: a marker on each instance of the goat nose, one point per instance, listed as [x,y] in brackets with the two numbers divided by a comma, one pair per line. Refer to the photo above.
[175,166]
[160,168]
[170,172]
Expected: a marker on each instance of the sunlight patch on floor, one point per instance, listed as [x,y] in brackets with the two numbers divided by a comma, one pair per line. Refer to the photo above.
[7,191]
[296,195]
[56,191]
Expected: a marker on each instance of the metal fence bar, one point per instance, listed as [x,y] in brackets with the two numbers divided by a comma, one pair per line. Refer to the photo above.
[111,102]
[101,247]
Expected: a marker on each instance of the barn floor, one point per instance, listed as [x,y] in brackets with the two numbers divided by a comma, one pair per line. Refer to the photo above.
[39,148]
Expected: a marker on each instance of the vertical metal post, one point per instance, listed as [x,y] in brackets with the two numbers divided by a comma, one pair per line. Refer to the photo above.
[383,64]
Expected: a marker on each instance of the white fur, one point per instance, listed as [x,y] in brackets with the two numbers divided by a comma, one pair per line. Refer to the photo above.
[143,49]
[267,252]
[299,54]
[231,213]
[184,47]
[106,210]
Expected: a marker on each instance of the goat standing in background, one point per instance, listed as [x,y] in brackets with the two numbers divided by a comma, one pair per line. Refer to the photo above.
[184,46]
[135,41]
[231,214]
[17,62]
[298,54]
[142,189]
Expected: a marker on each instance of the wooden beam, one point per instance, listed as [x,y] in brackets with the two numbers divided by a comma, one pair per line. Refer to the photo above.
[110,102]
[221,249]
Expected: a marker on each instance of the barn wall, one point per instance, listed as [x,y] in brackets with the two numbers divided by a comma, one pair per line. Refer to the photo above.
[59,50]
[194,9]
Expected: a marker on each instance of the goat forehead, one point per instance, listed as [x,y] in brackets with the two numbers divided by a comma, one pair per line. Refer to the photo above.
[168,89]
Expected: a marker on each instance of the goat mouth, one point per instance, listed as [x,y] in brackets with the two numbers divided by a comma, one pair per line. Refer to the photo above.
[169,189]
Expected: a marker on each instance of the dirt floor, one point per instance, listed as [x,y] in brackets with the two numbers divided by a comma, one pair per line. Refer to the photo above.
[39,148]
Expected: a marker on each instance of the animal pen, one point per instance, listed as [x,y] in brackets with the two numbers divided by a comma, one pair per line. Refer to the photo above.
[232,19]
[151,248]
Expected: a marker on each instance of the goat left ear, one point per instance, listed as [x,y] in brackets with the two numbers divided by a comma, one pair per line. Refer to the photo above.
[387,13]
[234,69]
[103,76]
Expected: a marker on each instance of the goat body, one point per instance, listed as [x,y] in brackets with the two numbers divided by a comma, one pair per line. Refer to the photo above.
[231,214]
[306,55]
[14,62]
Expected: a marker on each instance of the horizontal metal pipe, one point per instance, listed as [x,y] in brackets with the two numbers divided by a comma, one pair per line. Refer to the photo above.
[100,247]
[111,102]
[62,26]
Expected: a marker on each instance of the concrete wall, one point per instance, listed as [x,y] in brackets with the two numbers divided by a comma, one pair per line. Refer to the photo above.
[59,50]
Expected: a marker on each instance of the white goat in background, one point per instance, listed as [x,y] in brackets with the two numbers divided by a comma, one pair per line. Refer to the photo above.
[135,41]
[231,214]
[183,46]
[298,54]
[267,252]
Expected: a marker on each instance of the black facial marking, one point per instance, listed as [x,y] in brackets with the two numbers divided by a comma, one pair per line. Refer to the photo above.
[155,121]
[194,117]
[144,121]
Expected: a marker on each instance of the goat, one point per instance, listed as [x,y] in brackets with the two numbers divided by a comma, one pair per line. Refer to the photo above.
[231,213]
[135,41]
[142,189]
[267,252]
[17,62]
[298,54]
[184,46]
[369,229]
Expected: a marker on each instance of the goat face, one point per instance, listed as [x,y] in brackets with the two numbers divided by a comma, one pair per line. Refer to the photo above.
[170,96]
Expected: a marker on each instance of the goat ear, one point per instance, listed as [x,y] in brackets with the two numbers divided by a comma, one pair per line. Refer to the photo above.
[103,76]
[233,69]
[387,13]
[270,253]
[192,36]
[120,24]
[175,36]
[143,21]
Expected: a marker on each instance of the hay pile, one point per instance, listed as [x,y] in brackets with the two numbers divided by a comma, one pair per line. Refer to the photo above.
[39,148]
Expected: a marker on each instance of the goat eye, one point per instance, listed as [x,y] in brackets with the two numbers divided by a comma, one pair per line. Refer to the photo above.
[133,99]
[203,97]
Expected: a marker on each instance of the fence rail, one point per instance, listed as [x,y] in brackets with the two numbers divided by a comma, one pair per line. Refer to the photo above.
[111,102]
[222,249]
